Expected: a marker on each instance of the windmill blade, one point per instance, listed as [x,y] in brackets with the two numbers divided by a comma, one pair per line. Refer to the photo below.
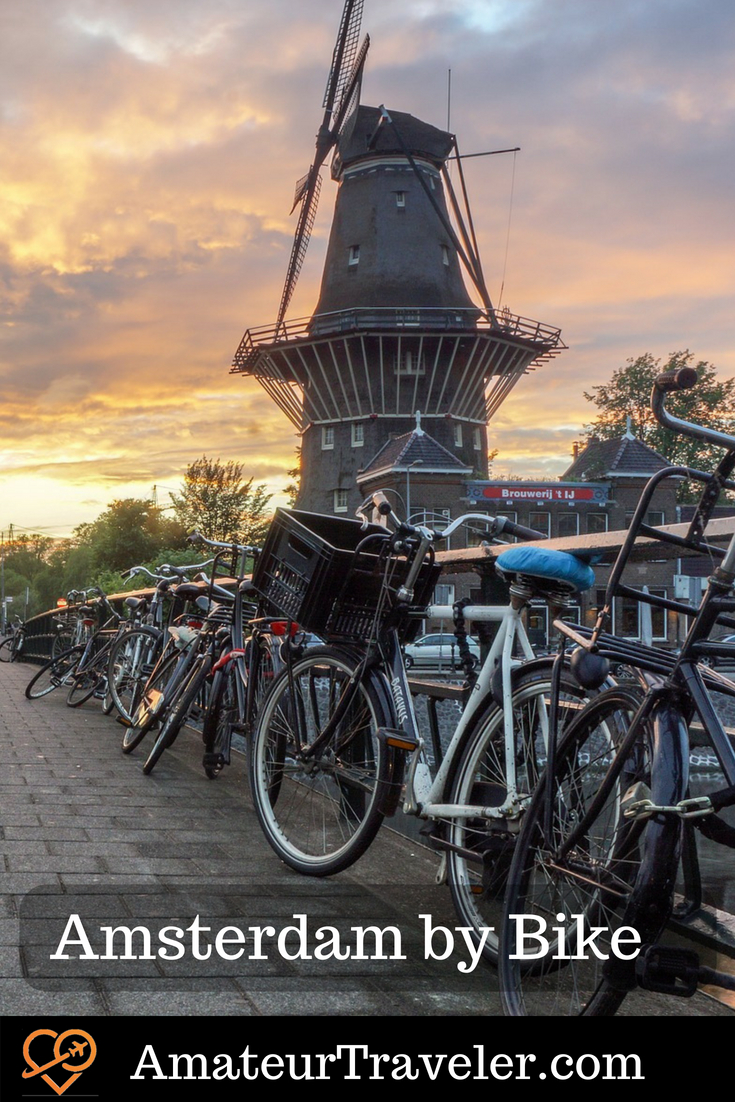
[351,90]
[343,57]
[300,191]
[344,78]
[304,226]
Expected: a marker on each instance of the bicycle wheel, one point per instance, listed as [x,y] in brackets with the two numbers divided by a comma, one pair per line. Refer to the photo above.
[6,649]
[178,709]
[319,809]
[55,672]
[86,679]
[480,849]
[151,704]
[132,659]
[603,880]
[61,643]
[82,687]
[221,714]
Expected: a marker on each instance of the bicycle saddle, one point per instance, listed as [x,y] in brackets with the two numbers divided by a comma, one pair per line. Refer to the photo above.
[544,562]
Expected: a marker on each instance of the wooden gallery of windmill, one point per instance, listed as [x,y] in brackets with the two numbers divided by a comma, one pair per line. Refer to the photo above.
[393,379]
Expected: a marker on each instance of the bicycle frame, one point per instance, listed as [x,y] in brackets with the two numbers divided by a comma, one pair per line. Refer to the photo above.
[423,794]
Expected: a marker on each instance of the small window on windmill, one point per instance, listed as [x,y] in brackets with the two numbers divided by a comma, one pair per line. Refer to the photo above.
[358,434]
[410,363]
[458,436]
[340,501]
[401,200]
[445,255]
[354,256]
[477,439]
[327,438]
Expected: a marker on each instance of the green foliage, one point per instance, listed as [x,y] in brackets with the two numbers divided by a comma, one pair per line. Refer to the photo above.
[128,532]
[215,501]
[711,402]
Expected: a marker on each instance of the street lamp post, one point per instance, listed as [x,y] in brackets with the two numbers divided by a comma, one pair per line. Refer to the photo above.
[416,463]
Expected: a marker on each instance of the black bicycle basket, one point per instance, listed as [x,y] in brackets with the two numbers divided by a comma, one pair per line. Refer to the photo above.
[312,573]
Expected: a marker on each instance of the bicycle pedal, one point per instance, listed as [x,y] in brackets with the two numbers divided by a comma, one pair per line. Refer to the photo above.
[668,970]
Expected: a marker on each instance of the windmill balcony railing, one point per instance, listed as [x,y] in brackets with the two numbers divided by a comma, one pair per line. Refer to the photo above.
[400,319]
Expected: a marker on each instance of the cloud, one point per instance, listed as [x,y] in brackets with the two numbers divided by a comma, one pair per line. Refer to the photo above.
[149,154]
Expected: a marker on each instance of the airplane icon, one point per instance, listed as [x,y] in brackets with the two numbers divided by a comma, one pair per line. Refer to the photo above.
[75,1050]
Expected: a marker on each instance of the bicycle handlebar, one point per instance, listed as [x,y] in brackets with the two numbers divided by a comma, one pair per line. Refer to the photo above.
[498,525]
[684,379]
[248,549]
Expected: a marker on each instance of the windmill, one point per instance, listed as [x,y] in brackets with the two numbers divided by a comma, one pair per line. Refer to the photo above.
[395,331]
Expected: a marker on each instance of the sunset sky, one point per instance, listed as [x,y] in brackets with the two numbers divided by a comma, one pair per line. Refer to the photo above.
[148,152]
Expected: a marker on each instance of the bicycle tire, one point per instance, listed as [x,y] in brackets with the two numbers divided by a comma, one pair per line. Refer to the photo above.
[147,715]
[83,686]
[132,660]
[605,880]
[480,849]
[62,642]
[53,673]
[221,714]
[6,649]
[321,820]
[177,711]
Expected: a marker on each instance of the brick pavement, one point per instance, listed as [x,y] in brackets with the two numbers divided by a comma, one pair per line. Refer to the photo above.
[84,832]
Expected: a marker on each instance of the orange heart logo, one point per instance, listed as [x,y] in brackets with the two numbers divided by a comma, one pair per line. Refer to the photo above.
[62,1053]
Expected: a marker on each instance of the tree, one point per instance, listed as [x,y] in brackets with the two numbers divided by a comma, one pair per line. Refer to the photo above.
[128,532]
[711,402]
[215,501]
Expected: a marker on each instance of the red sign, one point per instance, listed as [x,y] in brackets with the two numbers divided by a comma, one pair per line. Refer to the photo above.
[543,492]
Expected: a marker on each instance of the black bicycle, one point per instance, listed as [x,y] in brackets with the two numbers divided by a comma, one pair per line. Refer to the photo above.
[608,853]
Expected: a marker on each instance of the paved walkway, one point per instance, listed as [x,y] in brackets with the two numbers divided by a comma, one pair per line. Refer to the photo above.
[85,833]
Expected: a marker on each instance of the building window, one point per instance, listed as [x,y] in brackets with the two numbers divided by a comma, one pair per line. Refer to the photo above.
[444,594]
[358,434]
[568,524]
[540,522]
[630,618]
[445,256]
[401,200]
[458,436]
[354,256]
[477,439]
[327,438]
[435,519]
[340,501]
[537,625]
[655,517]
[596,522]
[411,363]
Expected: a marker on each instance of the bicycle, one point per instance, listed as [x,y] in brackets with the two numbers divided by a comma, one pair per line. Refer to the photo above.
[12,645]
[612,818]
[61,668]
[246,661]
[337,734]
[134,655]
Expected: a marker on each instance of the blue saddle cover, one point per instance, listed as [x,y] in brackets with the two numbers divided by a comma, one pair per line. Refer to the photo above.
[545,562]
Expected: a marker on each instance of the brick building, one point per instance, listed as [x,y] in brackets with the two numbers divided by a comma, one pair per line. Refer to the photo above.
[598,492]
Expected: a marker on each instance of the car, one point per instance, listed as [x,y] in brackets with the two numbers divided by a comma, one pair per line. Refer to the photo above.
[438,650]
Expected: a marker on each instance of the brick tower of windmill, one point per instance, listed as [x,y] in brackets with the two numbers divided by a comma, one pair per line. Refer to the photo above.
[396,344]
